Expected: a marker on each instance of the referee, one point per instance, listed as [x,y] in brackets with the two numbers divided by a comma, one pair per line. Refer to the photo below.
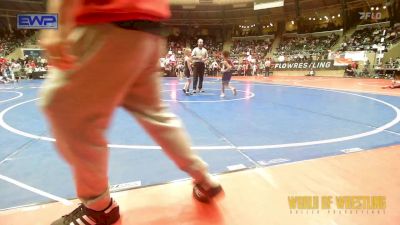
[199,56]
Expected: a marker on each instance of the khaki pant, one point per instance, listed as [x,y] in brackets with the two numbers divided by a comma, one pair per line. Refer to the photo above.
[116,67]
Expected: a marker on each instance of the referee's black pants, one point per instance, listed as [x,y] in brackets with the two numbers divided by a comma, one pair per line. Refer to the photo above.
[198,75]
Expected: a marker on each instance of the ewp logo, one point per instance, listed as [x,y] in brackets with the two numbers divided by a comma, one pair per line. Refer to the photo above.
[37,21]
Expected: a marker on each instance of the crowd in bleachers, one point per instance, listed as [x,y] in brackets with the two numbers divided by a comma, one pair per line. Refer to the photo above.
[12,70]
[249,55]
[306,48]
[370,38]
[176,44]
[393,63]
[259,47]
[9,41]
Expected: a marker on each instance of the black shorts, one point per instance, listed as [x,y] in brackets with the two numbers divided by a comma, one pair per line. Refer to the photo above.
[187,74]
[226,76]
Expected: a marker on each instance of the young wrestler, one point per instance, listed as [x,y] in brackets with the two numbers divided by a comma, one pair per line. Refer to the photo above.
[227,67]
[188,71]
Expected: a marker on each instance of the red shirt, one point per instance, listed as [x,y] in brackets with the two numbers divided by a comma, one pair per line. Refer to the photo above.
[32,65]
[354,65]
[104,11]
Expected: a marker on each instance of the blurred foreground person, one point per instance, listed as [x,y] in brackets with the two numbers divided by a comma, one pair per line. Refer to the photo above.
[79,96]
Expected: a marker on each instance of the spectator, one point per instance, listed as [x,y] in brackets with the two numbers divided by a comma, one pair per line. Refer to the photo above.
[349,72]
[267,66]
[311,72]
[214,68]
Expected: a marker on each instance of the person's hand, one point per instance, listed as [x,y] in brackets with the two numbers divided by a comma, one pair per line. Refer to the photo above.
[58,49]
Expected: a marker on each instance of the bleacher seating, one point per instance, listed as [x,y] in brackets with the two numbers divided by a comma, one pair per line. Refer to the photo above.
[370,37]
[10,41]
[258,47]
[306,47]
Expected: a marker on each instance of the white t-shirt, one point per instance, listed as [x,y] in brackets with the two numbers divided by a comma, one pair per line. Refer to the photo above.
[15,67]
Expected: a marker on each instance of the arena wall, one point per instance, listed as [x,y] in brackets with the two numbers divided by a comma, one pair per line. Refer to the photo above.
[323,73]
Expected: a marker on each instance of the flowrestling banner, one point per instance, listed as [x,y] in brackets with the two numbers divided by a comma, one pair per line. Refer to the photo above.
[317,65]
